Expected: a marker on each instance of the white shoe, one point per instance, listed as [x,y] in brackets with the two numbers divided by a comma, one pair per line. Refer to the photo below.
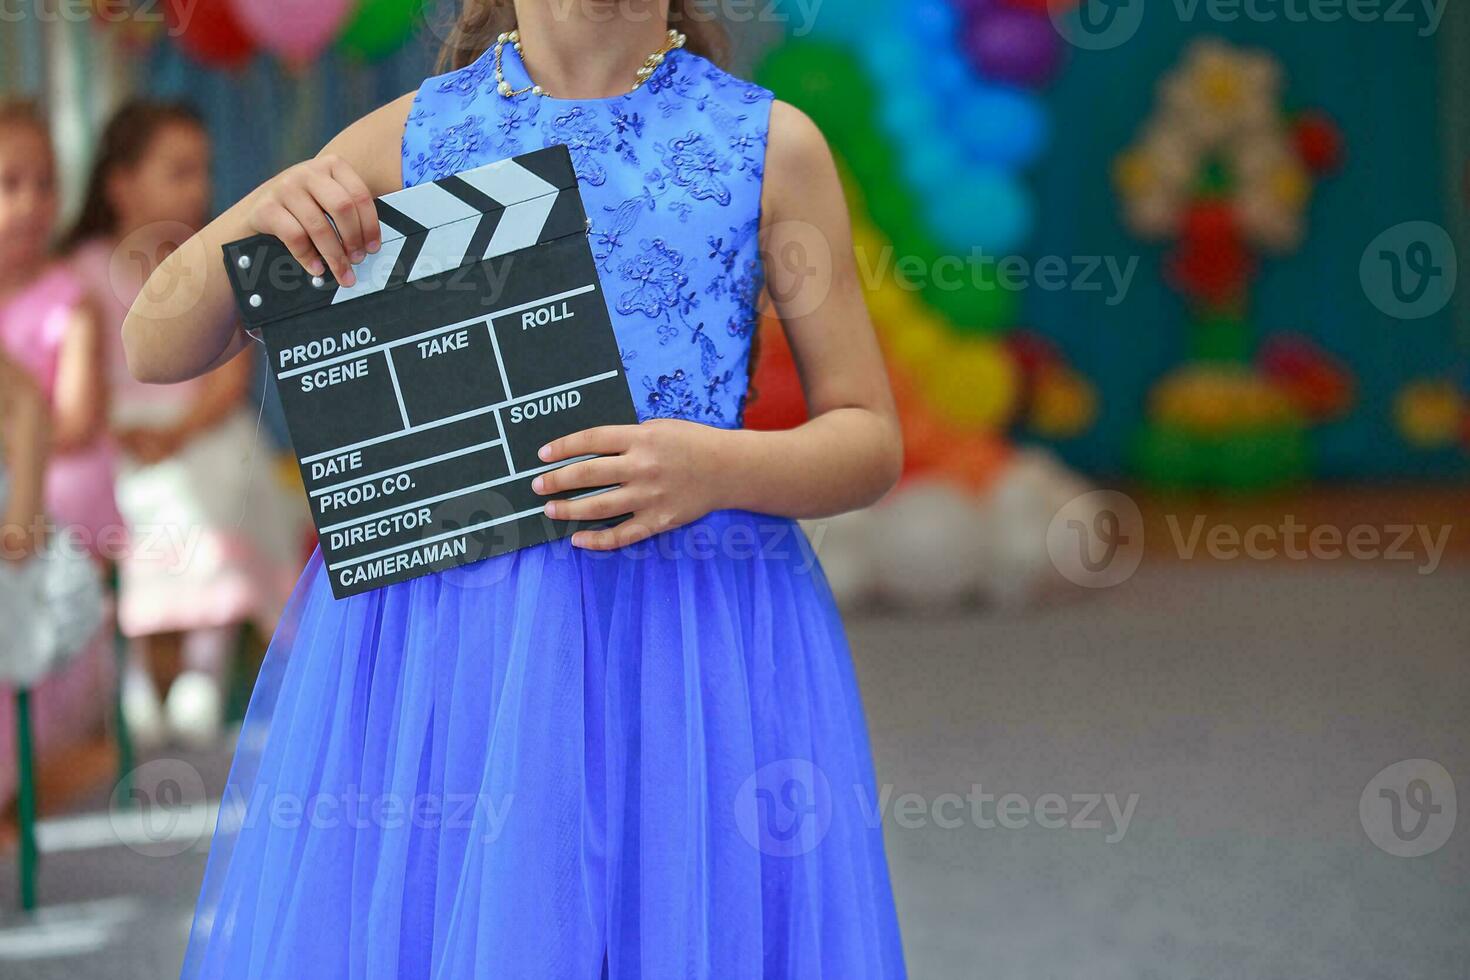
[142,710]
[195,709]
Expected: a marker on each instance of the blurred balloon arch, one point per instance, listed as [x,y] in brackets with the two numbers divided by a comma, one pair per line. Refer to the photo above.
[935,119]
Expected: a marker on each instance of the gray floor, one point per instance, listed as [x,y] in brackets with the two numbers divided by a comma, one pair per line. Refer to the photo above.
[1247,707]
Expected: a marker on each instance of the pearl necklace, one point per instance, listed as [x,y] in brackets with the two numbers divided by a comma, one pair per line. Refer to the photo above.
[674,40]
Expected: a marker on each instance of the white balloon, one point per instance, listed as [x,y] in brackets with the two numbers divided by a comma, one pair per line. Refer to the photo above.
[1015,516]
[926,544]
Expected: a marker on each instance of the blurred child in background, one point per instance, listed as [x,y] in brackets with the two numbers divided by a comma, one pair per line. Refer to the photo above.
[49,328]
[50,363]
[211,548]
[50,599]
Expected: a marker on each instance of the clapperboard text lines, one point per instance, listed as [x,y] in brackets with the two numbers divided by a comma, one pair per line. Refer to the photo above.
[386,345]
[456,533]
[453,494]
[435,423]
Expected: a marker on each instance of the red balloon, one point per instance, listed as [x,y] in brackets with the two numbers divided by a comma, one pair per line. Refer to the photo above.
[1318,142]
[208,30]
[1211,263]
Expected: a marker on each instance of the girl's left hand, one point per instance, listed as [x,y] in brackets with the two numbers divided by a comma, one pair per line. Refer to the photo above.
[666,473]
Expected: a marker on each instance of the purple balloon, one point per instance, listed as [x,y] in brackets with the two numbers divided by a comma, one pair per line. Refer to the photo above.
[1015,46]
[972,8]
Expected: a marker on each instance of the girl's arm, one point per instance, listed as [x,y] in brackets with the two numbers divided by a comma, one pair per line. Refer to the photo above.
[80,412]
[23,429]
[182,323]
[222,392]
[846,456]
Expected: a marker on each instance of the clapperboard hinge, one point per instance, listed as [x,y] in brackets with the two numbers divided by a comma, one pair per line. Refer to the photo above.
[428,229]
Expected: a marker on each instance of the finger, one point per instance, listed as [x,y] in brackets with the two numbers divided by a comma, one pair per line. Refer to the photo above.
[283,224]
[631,531]
[603,471]
[362,200]
[333,198]
[597,507]
[599,441]
[306,210]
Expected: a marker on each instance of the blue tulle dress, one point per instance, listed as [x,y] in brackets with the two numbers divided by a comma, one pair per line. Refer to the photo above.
[558,764]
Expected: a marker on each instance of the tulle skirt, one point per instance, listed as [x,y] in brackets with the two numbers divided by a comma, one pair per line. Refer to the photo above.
[558,764]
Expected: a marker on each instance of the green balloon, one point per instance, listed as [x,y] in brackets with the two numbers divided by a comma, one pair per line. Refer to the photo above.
[823,80]
[1169,458]
[380,27]
[828,83]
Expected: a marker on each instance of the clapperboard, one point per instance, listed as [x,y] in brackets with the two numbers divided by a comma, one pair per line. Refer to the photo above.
[418,398]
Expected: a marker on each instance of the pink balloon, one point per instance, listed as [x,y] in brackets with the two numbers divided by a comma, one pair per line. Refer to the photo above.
[296,30]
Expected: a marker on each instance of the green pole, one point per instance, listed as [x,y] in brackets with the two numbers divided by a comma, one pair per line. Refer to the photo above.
[124,790]
[26,801]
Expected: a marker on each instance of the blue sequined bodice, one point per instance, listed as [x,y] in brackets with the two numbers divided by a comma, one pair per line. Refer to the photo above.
[671,176]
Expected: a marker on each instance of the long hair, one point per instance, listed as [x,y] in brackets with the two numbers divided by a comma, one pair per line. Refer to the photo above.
[480,22]
[125,142]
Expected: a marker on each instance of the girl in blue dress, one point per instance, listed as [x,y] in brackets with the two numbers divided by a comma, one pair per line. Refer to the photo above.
[639,754]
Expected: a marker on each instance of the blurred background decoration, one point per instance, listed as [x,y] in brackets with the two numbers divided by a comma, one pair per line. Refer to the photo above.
[1224,174]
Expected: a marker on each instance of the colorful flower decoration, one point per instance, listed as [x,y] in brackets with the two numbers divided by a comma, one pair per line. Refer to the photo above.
[1224,175]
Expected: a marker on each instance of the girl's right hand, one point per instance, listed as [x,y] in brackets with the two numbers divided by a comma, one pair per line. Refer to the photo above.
[295,206]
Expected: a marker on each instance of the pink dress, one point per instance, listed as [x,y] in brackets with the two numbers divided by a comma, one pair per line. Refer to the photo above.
[79,485]
[215,539]
[70,704]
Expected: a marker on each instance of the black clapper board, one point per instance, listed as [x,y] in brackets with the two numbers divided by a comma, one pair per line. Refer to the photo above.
[417,399]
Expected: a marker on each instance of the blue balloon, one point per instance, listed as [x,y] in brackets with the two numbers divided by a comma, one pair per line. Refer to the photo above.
[1002,126]
[908,114]
[946,72]
[891,57]
[932,21]
[989,209]
[930,165]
